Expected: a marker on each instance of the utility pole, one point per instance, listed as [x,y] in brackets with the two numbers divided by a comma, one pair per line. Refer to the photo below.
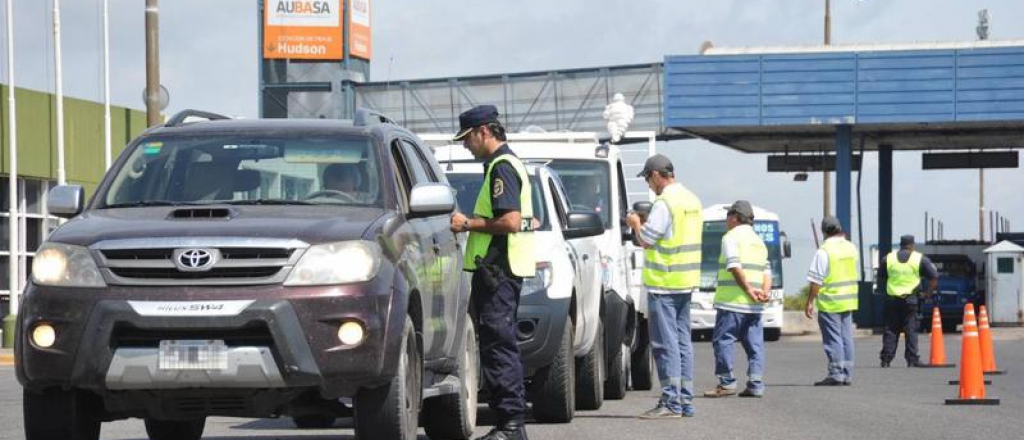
[106,85]
[13,277]
[152,64]
[826,177]
[59,78]
[982,30]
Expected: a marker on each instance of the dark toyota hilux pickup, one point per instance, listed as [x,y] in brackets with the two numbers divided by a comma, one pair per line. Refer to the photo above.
[254,269]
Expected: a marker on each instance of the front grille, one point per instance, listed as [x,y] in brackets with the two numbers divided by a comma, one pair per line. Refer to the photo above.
[240,262]
[216,273]
[126,336]
[203,405]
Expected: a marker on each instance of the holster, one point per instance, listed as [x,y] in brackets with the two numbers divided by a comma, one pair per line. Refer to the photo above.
[490,271]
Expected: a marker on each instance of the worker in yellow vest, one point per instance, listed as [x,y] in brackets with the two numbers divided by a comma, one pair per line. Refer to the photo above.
[833,290]
[743,288]
[499,252]
[671,236]
[902,272]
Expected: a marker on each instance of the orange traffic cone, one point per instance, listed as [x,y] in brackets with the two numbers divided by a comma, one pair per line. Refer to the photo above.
[938,355]
[988,356]
[972,386]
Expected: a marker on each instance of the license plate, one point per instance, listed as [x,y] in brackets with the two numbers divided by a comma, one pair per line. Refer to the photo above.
[193,355]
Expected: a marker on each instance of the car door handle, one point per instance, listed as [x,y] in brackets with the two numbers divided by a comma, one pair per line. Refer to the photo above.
[586,257]
[437,248]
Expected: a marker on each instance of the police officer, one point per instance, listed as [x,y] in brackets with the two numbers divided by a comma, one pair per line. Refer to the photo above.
[903,271]
[744,282]
[500,254]
[671,236]
[833,289]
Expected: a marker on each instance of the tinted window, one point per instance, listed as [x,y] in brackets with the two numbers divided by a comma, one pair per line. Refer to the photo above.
[415,161]
[467,187]
[586,183]
[1004,265]
[335,170]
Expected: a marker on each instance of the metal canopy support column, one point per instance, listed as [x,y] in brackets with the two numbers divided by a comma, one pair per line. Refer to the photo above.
[884,203]
[844,161]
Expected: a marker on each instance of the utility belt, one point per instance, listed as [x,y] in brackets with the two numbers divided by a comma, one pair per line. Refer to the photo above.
[490,270]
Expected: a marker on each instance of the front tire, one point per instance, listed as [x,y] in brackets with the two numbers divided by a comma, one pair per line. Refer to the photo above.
[590,375]
[618,374]
[640,370]
[453,416]
[175,429]
[313,422]
[772,334]
[55,414]
[553,390]
[391,411]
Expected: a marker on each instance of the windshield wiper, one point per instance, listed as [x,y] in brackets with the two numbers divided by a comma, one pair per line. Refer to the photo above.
[268,202]
[145,203]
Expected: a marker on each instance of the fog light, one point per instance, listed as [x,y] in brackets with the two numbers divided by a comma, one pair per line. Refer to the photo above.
[44,336]
[350,333]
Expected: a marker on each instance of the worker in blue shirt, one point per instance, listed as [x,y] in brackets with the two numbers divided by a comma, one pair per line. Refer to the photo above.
[902,272]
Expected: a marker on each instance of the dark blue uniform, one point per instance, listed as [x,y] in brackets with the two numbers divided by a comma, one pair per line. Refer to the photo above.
[496,310]
[901,313]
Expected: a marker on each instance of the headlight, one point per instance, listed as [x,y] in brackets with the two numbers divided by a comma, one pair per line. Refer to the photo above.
[540,281]
[336,263]
[65,265]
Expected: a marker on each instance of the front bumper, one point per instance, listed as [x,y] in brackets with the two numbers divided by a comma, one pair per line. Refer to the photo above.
[703,317]
[540,325]
[104,344]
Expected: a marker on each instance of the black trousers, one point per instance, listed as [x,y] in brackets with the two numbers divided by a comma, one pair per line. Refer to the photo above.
[900,315]
[499,353]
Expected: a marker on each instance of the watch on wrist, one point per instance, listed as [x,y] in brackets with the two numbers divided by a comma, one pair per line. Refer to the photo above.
[465,225]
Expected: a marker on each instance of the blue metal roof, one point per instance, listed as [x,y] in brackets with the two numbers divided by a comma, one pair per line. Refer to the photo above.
[943,89]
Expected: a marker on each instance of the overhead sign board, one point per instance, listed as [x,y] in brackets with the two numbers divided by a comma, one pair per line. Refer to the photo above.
[948,161]
[797,164]
[302,29]
[360,44]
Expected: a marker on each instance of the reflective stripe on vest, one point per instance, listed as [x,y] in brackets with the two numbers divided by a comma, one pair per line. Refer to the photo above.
[520,244]
[674,264]
[753,257]
[903,278]
[838,292]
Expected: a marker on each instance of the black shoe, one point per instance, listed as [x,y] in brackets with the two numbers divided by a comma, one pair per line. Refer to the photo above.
[916,364]
[507,431]
[848,382]
[885,364]
[829,382]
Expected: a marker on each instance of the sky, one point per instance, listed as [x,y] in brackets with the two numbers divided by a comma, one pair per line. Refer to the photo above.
[209,60]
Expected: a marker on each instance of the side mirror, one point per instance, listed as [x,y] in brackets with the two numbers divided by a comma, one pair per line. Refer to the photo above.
[643,208]
[583,224]
[429,199]
[66,201]
[787,249]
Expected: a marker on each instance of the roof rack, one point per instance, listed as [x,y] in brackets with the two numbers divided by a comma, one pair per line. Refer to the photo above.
[366,117]
[180,117]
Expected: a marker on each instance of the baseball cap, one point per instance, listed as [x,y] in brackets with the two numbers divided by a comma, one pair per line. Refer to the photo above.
[906,240]
[743,208]
[830,225]
[475,117]
[658,162]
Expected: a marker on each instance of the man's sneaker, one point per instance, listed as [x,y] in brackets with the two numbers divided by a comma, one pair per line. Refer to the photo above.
[508,431]
[660,412]
[751,393]
[916,364]
[829,382]
[689,410]
[720,391]
[885,364]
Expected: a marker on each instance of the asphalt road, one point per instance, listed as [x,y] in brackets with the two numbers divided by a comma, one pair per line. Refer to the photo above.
[882,404]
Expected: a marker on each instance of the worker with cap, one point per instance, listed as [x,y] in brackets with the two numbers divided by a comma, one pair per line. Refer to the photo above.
[833,290]
[902,272]
[744,283]
[671,237]
[499,252]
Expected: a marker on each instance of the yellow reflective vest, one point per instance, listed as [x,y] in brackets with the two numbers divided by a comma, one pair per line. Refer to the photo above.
[674,263]
[754,260]
[521,259]
[838,291]
[903,278]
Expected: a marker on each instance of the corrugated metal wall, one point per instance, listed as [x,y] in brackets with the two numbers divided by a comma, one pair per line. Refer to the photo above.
[83,136]
[908,86]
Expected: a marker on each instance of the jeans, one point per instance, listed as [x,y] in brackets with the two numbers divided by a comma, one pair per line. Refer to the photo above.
[669,324]
[748,329]
[837,339]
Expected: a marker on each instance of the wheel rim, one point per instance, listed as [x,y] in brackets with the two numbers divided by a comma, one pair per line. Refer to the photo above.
[412,386]
[472,373]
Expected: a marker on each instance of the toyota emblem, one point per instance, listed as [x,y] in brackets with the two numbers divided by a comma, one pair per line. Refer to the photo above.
[195,260]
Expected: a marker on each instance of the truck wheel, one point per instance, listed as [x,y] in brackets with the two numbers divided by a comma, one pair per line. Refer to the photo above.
[640,368]
[391,411]
[175,429]
[590,375]
[618,374]
[553,390]
[56,414]
[313,422]
[949,327]
[772,334]
[453,416]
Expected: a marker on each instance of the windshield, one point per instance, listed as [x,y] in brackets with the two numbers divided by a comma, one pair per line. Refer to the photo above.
[335,170]
[586,185]
[467,187]
[711,249]
[953,267]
